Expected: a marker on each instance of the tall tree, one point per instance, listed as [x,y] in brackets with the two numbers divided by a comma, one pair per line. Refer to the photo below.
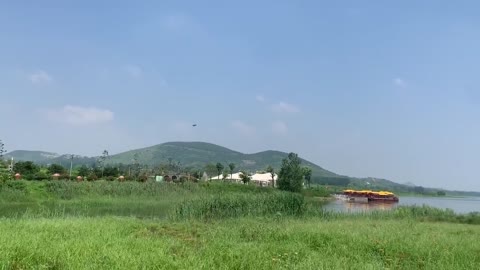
[83,171]
[307,173]
[219,167]
[290,177]
[210,169]
[103,159]
[232,167]
[26,168]
[56,168]
[4,174]
[2,150]
[136,166]
[271,170]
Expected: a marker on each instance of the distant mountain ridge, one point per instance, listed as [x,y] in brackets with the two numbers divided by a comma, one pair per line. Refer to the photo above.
[198,154]
[190,154]
[35,156]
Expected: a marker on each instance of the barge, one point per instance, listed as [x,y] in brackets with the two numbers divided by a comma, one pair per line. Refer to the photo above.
[369,196]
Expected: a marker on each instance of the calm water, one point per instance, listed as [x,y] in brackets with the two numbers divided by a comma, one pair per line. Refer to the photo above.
[459,205]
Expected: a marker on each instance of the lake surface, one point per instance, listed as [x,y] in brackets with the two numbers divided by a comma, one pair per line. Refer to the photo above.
[459,205]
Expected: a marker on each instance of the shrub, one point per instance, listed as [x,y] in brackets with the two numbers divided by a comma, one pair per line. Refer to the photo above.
[40,176]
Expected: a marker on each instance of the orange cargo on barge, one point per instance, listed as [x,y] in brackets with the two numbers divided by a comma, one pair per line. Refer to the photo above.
[371,196]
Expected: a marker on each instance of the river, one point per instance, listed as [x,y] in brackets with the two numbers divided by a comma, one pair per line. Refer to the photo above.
[458,205]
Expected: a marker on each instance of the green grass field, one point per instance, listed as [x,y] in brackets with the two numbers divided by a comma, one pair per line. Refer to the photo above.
[110,225]
[245,243]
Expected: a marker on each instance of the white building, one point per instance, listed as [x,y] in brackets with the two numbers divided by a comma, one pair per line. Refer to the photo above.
[261,179]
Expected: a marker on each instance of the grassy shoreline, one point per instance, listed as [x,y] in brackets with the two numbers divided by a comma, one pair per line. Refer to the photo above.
[110,225]
[245,243]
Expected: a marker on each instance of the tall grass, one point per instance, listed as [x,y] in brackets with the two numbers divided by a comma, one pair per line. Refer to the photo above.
[69,190]
[241,205]
[209,200]
[241,243]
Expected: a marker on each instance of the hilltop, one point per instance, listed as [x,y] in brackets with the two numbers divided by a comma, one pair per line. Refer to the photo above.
[188,154]
[35,156]
[197,154]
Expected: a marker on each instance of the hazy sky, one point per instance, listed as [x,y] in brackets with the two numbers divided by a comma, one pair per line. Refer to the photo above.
[363,88]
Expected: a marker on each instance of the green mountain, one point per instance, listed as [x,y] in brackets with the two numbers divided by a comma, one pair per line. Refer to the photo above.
[198,154]
[188,154]
[35,156]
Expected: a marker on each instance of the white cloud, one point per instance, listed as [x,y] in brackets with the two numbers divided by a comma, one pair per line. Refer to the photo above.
[40,77]
[133,71]
[260,98]
[243,128]
[77,115]
[399,82]
[283,107]
[279,127]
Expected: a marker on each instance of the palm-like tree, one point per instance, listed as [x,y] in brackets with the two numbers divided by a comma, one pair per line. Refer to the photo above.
[232,167]
[307,173]
[271,170]
[245,177]
[219,167]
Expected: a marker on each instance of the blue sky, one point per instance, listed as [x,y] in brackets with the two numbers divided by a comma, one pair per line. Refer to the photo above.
[363,88]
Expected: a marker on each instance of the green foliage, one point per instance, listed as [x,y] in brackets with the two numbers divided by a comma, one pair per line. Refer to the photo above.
[41,175]
[419,189]
[219,166]
[333,181]
[5,175]
[317,192]
[110,171]
[240,205]
[245,177]
[56,168]
[231,166]
[2,149]
[211,169]
[83,171]
[290,177]
[441,193]
[26,168]
[101,161]
[307,173]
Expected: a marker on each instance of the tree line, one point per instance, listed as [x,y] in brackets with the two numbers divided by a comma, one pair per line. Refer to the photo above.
[291,176]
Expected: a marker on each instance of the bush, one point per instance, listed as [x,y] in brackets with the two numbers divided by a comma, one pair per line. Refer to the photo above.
[441,193]
[16,185]
[40,176]
[92,177]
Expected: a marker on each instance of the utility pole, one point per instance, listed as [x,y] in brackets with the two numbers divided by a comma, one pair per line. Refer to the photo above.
[71,166]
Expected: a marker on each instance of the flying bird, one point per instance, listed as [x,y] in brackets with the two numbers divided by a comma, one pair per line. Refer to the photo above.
[194,125]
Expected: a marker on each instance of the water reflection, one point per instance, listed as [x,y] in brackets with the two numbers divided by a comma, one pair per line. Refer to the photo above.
[346,206]
[459,205]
